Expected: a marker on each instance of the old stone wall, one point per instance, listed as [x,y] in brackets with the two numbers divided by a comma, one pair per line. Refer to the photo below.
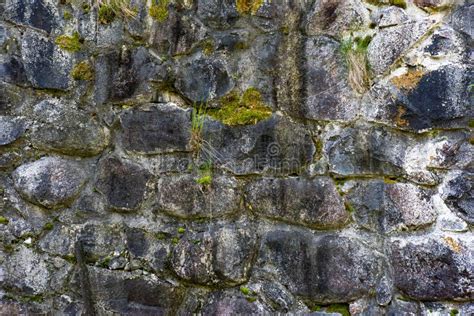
[226,157]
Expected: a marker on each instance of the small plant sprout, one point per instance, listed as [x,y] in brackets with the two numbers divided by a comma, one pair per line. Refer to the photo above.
[110,9]
[197,123]
[205,172]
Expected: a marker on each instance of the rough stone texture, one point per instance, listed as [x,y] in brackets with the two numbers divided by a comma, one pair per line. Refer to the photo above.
[46,65]
[65,129]
[443,269]
[390,43]
[156,129]
[314,203]
[50,182]
[11,128]
[323,269]
[331,98]
[220,255]
[274,145]
[221,197]
[387,207]
[123,194]
[123,183]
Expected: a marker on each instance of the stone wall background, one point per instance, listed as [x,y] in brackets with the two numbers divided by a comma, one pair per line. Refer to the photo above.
[347,199]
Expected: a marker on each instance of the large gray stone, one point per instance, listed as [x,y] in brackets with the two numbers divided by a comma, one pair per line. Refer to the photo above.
[203,79]
[50,182]
[220,255]
[221,197]
[388,207]
[217,13]
[443,269]
[335,17]
[156,129]
[325,269]
[65,129]
[129,293]
[461,19]
[310,202]
[46,65]
[458,193]
[40,14]
[123,183]
[390,43]
[328,94]
[11,128]
[275,145]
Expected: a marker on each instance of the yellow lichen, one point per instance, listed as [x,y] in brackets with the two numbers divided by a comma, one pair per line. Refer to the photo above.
[399,120]
[409,80]
[241,109]
[453,244]
[82,71]
[248,6]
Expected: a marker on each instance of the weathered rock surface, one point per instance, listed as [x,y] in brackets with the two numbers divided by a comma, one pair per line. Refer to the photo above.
[46,66]
[11,128]
[123,183]
[156,129]
[387,207]
[330,98]
[310,202]
[274,145]
[325,269]
[458,194]
[221,197]
[50,182]
[443,269]
[40,14]
[220,255]
[65,129]
[233,304]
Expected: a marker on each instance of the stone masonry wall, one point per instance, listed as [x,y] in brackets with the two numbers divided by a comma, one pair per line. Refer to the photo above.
[223,157]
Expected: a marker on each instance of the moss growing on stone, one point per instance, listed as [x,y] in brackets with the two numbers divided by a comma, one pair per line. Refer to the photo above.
[82,71]
[69,43]
[205,180]
[342,309]
[181,230]
[453,312]
[110,9]
[248,6]
[398,3]
[3,220]
[207,47]
[106,14]
[245,290]
[48,226]
[159,10]
[242,110]
[67,15]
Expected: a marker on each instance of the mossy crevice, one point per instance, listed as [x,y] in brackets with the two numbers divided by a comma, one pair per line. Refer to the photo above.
[399,3]
[354,52]
[83,71]
[70,43]
[244,109]
[110,9]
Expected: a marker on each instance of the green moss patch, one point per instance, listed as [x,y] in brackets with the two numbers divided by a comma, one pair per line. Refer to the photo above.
[159,10]
[106,14]
[82,71]
[69,43]
[241,109]
[3,220]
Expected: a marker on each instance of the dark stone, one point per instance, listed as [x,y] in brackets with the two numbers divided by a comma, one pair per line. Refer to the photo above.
[123,183]
[443,271]
[314,203]
[275,145]
[12,71]
[221,255]
[217,13]
[327,269]
[46,66]
[50,182]
[441,97]
[461,19]
[65,129]
[458,194]
[387,207]
[36,13]
[328,95]
[11,128]
[203,79]
[223,303]
[134,294]
[221,197]
[156,129]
